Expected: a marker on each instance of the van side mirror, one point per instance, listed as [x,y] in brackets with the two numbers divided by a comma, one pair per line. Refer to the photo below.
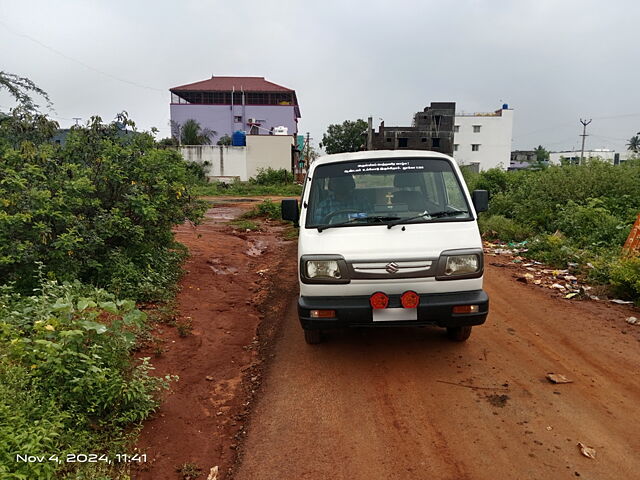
[480,200]
[289,210]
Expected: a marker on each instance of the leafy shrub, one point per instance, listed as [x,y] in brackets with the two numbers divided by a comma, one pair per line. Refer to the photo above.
[67,382]
[102,204]
[197,171]
[497,227]
[624,277]
[494,180]
[590,224]
[553,249]
[269,209]
[266,208]
[270,176]
[578,213]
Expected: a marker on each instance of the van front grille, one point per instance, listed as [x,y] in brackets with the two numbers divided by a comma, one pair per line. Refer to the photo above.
[364,269]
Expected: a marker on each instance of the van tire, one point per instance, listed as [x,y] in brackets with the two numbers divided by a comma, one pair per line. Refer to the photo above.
[458,334]
[312,337]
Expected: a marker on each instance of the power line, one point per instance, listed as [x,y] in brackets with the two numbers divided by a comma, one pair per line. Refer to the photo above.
[57,52]
[555,127]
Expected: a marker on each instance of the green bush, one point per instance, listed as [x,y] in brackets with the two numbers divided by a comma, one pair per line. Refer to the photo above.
[269,209]
[554,250]
[498,227]
[624,277]
[571,214]
[102,204]
[197,171]
[266,208]
[270,176]
[67,380]
[590,224]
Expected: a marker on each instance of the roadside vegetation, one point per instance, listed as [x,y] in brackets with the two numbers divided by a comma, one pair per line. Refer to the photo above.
[268,181]
[267,209]
[579,215]
[85,236]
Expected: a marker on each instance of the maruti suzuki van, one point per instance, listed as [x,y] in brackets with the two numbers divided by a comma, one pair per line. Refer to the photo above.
[388,238]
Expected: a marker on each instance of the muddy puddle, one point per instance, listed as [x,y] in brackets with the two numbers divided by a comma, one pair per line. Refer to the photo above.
[225,214]
[256,248]
[219,268]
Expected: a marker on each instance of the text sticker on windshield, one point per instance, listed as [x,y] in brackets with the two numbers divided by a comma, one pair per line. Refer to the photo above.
[383,167]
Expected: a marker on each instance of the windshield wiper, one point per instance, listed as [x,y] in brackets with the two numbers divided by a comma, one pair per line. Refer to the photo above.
[448,213]
[375,218]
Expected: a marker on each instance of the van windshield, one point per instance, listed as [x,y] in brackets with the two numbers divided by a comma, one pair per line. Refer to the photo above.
[386,190]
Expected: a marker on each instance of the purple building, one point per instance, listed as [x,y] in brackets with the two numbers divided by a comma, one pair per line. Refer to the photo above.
[227,104]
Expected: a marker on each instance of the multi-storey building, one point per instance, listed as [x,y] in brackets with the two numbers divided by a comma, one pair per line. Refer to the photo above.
[479,140]
[228,104]
[432,129]
[483,140]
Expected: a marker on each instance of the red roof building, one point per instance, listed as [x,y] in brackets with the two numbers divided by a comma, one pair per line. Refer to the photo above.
[228,104]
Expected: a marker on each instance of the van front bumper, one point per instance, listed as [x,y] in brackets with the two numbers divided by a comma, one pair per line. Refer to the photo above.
[434,309]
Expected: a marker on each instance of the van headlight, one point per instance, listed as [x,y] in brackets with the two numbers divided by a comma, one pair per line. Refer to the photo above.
[459,264]
[323,269]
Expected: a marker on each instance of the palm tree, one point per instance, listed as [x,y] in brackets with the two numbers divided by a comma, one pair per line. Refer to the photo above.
[191,133]
[634,143]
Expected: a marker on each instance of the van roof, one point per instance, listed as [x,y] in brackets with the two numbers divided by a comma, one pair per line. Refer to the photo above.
[379,154]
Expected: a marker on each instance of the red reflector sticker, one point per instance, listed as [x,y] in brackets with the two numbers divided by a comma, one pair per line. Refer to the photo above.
[410,299]
[379,300]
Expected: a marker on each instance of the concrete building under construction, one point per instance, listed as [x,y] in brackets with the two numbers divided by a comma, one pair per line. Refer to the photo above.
[480,140]
[432,129]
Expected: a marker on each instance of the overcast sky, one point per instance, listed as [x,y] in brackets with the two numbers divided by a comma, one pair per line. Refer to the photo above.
[552,61]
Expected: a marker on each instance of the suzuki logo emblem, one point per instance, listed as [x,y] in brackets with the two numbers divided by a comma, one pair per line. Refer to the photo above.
[392,267]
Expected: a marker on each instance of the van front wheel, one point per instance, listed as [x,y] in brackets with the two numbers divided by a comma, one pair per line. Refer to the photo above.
[458,334]
[312,337]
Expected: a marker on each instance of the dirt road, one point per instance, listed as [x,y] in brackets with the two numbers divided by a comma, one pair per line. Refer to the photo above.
[408,404]
[214,343]
[256,401]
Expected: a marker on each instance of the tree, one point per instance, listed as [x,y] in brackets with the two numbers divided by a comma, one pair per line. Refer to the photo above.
[168,142]
[99,209]
[225,140]
[634,143]
[26,125]
[542,154]
[24,122]
[348,137]
[21,88]
[191,133]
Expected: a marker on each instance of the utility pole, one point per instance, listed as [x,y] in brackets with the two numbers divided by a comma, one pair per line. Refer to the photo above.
[307,148]
[77,119]
[584,135]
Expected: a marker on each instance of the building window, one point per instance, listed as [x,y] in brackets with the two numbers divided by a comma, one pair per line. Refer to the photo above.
[456,128]
[455,147]
[423,139]
[475,147]
[403,142]
[388,139]
[435,143]
[476,128]
[237,119]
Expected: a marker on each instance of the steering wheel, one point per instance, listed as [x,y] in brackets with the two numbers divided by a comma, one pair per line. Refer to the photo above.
[330,215]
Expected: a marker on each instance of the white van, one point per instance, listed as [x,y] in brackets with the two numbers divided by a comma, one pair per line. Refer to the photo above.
[388,238]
